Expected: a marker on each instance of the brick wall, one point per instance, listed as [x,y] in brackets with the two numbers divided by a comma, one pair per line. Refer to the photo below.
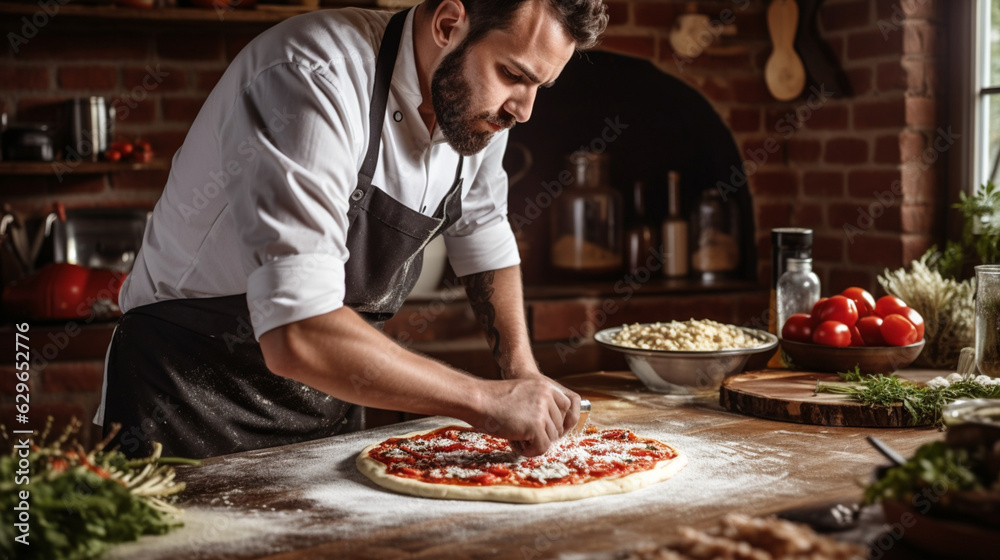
[862,171]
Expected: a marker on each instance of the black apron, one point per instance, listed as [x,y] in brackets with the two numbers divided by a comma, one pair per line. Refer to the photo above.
[189,374]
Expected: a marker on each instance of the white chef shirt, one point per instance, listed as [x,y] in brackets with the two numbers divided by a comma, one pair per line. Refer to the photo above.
[258,194]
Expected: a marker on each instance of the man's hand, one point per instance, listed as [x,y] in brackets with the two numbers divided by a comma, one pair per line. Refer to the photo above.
[532,413]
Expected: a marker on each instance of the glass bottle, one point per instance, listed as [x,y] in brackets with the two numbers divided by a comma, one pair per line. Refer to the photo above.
[988,319]
[786,243]
[587,219]
[714,236]
[675,232]
[797,291]
[639,240]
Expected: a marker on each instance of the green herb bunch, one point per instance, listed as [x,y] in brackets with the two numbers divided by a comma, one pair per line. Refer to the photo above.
[936,468]
[82,503]
[923,403]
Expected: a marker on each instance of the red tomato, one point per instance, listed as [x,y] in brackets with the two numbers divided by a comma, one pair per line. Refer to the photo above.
[112,155]
[898,331]
[126,148]
[887,305]
[913,317]
[839,309]
[798,328]
[816,310]
[856,339]
[862,299]
[871,330]
[832,333]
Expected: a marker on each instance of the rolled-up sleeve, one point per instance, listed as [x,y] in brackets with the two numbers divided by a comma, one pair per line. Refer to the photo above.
[482,239]
[290,208]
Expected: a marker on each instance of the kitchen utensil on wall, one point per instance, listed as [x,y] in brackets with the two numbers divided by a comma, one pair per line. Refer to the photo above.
[784,73]
[21,244]
[28,142]
[587,219]
[91,128]
[104,238]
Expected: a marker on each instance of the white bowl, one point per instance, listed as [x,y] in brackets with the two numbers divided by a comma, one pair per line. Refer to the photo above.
[687,372]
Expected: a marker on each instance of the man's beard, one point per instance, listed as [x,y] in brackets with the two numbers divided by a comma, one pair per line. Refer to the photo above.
[451,95]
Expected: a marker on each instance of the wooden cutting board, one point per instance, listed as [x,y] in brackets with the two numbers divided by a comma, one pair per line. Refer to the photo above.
[789,396]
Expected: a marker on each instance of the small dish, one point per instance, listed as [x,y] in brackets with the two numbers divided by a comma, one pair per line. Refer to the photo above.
[804,356]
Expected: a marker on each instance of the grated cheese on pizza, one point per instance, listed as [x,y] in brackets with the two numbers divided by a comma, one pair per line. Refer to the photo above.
[462,456]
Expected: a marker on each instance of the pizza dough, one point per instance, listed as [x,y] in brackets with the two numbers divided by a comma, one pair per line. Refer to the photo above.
[568,450]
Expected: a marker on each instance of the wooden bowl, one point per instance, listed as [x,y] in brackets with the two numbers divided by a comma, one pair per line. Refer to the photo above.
[804,356]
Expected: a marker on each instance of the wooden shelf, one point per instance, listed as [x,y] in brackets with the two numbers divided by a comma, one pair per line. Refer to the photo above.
[264,13]
[87,167]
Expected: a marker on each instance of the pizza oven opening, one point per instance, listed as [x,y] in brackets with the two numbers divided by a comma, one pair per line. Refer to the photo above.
[647,123]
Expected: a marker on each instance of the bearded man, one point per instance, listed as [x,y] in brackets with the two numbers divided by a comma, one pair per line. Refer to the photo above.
[292,226]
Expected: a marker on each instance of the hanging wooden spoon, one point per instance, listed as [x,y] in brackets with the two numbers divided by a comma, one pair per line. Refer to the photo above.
[784,73]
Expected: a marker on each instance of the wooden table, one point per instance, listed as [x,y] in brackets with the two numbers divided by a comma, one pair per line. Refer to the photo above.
[308,501]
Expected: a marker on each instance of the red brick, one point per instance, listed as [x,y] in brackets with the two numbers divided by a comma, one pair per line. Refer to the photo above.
[836,17]
[914,246]
[77,183]
[878,251]
[24,77]
[827,117]
[87,45]
[774,183]
[617,13]
[921,76]
[889,12]
[235,42]
[860,79]
[841,214]
[171,78]
[890,76]
[751,23]
[88,77]
[827,248]
[737,62]
[837,45]
[716,90]
[654,15]
[770,215]
[921,112]
[920,9]
[920,37]
[842,278]
[165,142]
[917,218]
[9,381]
[887,149]
[631,45]
[555,320]
[823,183]
[752,90]
[803,151]
[919,183]
[864,184]
[189,46]
[808,215]
[767,151]
[152,181]
[744,120]
[911,145]
[132,111]
[183,109]
[846,151]
[66,377]
[206,79]
[863,45]
[880,114]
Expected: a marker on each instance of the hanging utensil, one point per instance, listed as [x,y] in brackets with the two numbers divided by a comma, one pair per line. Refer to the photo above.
[784,73]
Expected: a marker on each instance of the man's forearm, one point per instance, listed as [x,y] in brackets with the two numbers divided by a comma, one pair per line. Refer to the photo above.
[497,299]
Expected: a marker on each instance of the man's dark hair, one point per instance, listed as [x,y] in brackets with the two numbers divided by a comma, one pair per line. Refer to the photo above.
[583,20]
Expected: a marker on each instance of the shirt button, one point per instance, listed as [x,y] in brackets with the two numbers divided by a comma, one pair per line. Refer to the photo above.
[357,195]
[397,116]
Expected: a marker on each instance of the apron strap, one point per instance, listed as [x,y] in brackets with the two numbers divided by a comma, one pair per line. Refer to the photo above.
[380,96]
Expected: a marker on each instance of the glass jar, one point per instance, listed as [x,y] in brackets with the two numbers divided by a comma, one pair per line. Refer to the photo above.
[797,291]
[640,240]
[587,219]
[715,229]
[988,319]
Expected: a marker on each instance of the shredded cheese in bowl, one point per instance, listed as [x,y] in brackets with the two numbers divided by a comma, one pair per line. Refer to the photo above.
[690,335]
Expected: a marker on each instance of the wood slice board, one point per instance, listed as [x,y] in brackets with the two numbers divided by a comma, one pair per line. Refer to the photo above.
[789,396]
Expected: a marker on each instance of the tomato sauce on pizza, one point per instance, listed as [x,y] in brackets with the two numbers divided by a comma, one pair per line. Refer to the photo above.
[462,456]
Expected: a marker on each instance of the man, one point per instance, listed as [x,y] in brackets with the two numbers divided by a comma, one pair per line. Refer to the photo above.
[333,149]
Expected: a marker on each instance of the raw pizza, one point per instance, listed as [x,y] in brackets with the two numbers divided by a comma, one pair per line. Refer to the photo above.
[460,463]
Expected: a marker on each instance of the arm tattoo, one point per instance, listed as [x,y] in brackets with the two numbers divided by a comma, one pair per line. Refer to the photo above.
[479,288]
